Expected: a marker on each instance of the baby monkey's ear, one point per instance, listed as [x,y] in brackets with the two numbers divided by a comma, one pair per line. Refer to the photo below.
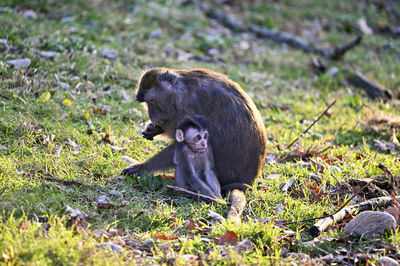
[179,135]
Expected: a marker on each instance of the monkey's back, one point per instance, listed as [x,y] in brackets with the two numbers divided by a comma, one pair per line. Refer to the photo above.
[237,132]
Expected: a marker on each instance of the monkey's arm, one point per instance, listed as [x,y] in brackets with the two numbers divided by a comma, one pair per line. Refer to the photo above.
[161,161]
[211,177]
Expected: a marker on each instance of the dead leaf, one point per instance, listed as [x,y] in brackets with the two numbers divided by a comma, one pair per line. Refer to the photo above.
[164,237]
[108,137]
[230,237]
[190,224]
[243,246]
[99,111]
[364,28]
[74,147]
[74,213]
[394,210]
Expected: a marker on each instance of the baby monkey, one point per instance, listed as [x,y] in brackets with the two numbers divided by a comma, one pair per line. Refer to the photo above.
[194,159]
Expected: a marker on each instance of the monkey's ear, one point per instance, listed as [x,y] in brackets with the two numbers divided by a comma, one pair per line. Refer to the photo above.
[168,79]
[179,135]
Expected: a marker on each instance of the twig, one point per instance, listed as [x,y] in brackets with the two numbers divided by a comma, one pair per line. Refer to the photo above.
[4,189]
[312,124]
[70,182]
[193,195]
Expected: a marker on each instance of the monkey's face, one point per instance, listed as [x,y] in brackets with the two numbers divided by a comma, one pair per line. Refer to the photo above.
[154,99]
[196,139]
[157,90]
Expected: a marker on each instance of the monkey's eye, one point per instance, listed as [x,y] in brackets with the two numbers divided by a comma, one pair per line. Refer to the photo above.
[152,101]
[197,138]
[206,136]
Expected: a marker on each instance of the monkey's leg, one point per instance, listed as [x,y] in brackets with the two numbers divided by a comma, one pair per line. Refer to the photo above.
[212,182]
[161,161]
[238,203]
[180,177]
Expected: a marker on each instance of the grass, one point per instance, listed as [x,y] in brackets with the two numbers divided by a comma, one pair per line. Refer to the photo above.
[35,226]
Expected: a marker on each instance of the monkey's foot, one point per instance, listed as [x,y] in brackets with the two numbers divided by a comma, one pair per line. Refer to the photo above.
[132,170]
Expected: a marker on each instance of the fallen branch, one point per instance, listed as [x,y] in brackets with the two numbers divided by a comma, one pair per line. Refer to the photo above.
[193,195]
[70,182]
[312,124]
[373,89]
[327,216]
[4,189]
[342,214]
[235,24]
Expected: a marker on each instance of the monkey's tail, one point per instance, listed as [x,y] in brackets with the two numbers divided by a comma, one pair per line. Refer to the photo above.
[230,187]
[238,203]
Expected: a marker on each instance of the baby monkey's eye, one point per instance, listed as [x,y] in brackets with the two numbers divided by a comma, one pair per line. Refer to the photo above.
[198,137]
[206,136]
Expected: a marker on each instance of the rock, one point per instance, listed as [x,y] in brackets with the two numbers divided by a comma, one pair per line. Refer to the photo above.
[115,193]
[333,71]
[155,34]
[48,54]
[148,243]
[29,14]
[103,199]
[370,223]
[108,53]
[25,62]
[62,85]
[112,247]
[386,261]
[129,159]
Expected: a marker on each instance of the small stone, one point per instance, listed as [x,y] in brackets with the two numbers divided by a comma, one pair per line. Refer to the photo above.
[115,193]
[108,53]
[387,261]
[155,34]
[112,247]
[129,159]
[48,54]
[103,199]
[148,243]
[25,62]
[67,19]
[370,223]
[333,71]
[62,85]
[29,14]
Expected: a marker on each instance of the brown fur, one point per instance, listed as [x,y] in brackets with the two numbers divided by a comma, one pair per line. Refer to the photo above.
[238,134]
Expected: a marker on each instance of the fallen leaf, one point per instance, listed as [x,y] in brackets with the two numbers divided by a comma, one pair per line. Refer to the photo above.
[108,137]
[75,212]
[164,237]
[67,102]
[44,97]
[243,246]
[190,224]
[230,237]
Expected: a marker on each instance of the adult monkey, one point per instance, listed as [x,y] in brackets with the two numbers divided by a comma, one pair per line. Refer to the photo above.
[239,138]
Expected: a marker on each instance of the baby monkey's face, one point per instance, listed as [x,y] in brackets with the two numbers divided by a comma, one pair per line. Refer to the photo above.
[196,139]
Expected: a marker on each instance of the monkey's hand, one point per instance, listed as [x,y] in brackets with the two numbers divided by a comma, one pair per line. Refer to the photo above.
[151,131]
[132,170]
